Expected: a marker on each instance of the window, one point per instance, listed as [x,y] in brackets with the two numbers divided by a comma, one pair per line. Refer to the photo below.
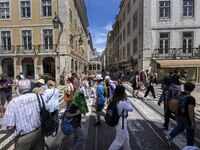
[48,39]
[120,38]
[128,7]
[128,50]
[124,34]
[98,67]
[90,67]
[94,67]
[27,39]
[124,52]
[135,20]
[187,42]
[25,9]
[71,41]
[6,40]
[124,16]
[76,46]
[4,10]
[135,46]
[128,28]
[46,8]
[188,8]
[164,43]
[75,25]
[70,16]
[164,7]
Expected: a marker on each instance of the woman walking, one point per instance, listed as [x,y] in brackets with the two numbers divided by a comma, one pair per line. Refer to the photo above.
[52,100]
[69,92]
[78,107]
[123,107]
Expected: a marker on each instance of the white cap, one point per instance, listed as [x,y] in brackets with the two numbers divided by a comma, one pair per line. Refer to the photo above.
[41,81]
[107,78]
[98,77]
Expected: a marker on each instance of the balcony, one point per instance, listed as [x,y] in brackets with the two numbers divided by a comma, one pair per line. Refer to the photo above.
[176,53]
[5,50]
[25,49]
[50,48]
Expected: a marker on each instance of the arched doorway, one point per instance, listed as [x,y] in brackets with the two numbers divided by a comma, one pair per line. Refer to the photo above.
[8,67]
[28,67]
[49,66]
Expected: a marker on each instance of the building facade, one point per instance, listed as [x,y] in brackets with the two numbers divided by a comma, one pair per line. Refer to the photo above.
[160,35]
[30,43]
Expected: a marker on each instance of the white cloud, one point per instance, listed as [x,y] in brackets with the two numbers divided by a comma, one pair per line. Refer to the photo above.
[108,27]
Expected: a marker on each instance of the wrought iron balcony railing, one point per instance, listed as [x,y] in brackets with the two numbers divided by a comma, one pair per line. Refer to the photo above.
[25,49]
[7,50]
[50,48]
[176,53]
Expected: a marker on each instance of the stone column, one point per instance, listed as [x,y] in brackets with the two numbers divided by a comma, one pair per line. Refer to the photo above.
[36,73]
[15,66]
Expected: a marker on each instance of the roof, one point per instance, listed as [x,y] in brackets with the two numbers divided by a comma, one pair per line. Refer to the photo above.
[178,63]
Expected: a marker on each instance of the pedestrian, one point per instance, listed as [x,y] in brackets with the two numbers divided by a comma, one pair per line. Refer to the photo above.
[22,118]
[52,101]
[110,87]
[2,94]
[123,107]
[186,120]
[167,94]
[42,84]
[150,88]
[99,97]
[76,81]
[9,83]
[135,80]
[75,110]
[68,92]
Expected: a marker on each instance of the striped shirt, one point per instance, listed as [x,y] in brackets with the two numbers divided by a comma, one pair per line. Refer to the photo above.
[23,113]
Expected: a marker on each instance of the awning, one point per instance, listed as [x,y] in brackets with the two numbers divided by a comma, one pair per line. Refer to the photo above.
[178,63]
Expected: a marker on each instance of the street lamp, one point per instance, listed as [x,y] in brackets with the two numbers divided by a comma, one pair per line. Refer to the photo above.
[56,22]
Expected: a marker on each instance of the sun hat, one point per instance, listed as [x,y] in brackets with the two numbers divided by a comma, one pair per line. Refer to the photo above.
[107,78]
[98,77]
[41,81]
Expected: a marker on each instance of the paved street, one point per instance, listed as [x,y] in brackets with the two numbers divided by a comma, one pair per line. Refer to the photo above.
[144,125]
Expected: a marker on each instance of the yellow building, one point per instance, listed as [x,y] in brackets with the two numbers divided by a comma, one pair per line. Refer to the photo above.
[30,44]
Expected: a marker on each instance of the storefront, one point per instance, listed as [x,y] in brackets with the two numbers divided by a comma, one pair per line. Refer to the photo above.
[191,66]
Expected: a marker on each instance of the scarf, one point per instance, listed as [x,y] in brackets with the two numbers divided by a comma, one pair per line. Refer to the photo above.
[79,101]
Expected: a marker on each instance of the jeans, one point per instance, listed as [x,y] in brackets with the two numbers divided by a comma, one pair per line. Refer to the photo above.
[79,138]
[167,115]
[183,123]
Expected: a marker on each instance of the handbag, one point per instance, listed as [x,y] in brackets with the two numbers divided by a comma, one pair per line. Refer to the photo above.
[66,125]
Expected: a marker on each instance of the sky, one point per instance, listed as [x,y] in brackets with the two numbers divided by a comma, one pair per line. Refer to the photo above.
[101,17]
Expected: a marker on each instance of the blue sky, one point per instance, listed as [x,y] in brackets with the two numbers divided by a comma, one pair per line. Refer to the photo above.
[101,16]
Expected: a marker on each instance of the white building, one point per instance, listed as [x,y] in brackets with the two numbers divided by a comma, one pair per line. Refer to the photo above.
[160,35]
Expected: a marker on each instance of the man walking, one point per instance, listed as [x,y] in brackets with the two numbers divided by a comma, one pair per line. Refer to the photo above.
[186,120]
[100,98]
[22,117]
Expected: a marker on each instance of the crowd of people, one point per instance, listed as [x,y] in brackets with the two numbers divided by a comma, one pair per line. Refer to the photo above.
[22,115]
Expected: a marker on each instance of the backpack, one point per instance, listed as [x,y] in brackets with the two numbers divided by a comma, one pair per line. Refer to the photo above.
[48,125]
[112,116]
[177,104]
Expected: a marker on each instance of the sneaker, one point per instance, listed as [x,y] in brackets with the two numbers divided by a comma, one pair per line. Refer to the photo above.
[169,140]
[134,96]
[144,98]
[97,124]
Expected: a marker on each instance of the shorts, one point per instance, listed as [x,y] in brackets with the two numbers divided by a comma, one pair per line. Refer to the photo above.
[2,99]
[99,107]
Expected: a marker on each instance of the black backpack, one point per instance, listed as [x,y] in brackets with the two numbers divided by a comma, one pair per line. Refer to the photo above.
[48,125]
[112,116]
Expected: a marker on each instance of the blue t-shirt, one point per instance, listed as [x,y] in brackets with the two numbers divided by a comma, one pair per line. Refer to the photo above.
[100,94]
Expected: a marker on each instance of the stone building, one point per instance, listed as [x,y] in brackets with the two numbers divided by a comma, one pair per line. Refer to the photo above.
[30,43]
[159,35]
